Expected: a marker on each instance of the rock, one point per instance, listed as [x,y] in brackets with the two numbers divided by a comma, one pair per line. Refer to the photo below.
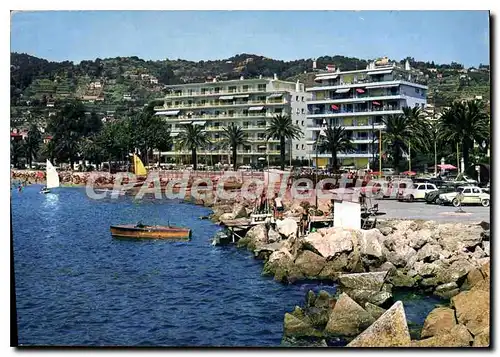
[390,330]
[485,235]
[333,268]
[296,327]
[362,296]
[401,254]
[400,279]
[478,253]
[309,263]
[226,217]
[482,339]
[485,269]
[486,247]
[458,269]
[455,237]
[295,342]
[331,244]
[366,281]
[429,253]
[374,310]
[264,252]
[310,298]
[473,309]
[402,226]
[447,291]
[347,318]
[369,243]
[239,211]
[473,278]
[439,320]
[324,300]
[287,227]
[257,236]
[273,236]
[277,263]
[424,269]
[387,266]
[417,239]
[386,230]
[458,336]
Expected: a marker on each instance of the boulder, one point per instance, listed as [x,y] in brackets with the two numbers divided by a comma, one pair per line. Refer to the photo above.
[239,211]
[333,268]
[439,320]
[362,296]
[458,336]
[257,235]
[273,236]
[486,248]
[478,253]
[324,300]
[226,217]
[387,266]
[310,298]
[485,269]
[331,244]
[400,254]
[309,263]
[296,327]
[374,310]
[429,252]
[347,318]
[424,269]
[287,227]
[482,339]
[447,291]
[455,237]
[369,243]
[417,239]
[473,309]
[366,281]
[473,278]
[265,251]
[277,264]
[400,279]
[457,270]
[386,230]
[390,330]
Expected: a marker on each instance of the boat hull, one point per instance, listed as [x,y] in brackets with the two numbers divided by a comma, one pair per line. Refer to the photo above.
[150,232]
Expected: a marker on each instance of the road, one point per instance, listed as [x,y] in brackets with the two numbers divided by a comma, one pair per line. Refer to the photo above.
[421,210]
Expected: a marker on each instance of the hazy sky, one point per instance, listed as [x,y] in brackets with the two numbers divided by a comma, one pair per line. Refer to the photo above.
[441,36]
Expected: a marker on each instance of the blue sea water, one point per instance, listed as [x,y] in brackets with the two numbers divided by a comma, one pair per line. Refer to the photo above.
[77,286]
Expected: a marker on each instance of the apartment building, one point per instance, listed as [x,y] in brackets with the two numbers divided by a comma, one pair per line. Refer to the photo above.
[358,101]
[248,103]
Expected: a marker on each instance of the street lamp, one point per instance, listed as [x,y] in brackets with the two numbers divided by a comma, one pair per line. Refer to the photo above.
[321,134]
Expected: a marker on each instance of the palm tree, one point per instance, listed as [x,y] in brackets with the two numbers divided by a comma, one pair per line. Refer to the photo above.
[282,128]
[463,123]
[404,131]
[32,143]
[16,151]
[234,137]
[192,137]
[336,139]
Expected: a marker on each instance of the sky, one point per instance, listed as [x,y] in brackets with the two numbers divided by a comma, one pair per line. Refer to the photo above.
[439,36]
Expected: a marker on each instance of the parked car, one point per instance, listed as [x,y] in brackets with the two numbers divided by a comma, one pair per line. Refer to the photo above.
[388,172]
[415,192]
[432,196]
[471,195]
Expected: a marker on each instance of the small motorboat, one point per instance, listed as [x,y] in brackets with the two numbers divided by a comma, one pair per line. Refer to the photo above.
[45,190]
[141,231]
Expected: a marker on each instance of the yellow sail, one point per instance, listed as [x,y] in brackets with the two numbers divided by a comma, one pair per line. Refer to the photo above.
[139,168]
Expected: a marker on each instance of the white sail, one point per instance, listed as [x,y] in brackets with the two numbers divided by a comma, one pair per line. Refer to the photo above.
[52,176]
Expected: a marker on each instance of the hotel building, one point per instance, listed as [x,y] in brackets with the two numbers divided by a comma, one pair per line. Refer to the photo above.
[248,103]
[358,101]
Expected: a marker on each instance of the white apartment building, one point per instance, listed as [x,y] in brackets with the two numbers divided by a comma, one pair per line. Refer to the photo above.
[248,103]
[358,101]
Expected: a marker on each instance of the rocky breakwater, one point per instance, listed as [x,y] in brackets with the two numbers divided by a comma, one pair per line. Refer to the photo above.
[431,257]
[326,320]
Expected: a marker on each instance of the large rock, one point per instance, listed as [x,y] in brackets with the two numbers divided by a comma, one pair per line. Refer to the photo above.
[365,281]
[400,279]
[333,268]
[226,217]
[482,339]
[429,253]
[273,236]
[473,309]
[334,243]
[296,327]
[417,239]
[486,247]
[374,310]
[400,254]
[369,243]
[447,291]
[456,237]
[439,320]
[362,296]
[458,336]
[287,227]
[347,318]
[309,263]
[257,236]
[239,211]
[390,330]
[473,278]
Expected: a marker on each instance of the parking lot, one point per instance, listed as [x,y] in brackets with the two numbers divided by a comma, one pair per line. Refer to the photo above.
[421,210]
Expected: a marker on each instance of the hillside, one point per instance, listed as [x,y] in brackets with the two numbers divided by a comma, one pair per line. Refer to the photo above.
[125,84]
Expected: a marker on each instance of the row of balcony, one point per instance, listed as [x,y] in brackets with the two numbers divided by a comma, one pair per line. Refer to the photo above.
[221,104]
[222,152]
[223,116]
[376,79]
[214,93]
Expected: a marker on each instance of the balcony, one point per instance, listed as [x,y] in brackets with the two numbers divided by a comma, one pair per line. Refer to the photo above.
[367,83]
[386,110]
[212,93]
[360,126]
[222,104]
[221,152]
[357,99]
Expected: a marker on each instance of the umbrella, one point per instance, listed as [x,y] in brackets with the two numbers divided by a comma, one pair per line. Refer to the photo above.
[447,167]
[261,158]
[409,173]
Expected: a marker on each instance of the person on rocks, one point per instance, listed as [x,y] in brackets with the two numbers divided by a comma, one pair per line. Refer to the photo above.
[278,204]
[304,222]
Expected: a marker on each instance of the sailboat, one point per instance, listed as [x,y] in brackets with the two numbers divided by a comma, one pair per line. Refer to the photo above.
[139,168]
[52,178]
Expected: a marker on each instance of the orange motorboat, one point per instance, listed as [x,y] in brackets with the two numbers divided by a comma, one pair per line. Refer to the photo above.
[141,231]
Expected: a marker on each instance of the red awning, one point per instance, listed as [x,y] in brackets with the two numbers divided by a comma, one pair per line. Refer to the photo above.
[375,103]
[359,90]
[334,107]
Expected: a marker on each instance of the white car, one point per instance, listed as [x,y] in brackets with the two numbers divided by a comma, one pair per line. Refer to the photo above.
[416,191]
[469,195]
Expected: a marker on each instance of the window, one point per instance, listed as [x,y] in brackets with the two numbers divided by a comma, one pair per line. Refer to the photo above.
[421,187]
[245,88]
[297,146]
[303,111]
[296,122]
[297,98]
[298,111]
[203,90]
[303,147]
[261,87]
[302,98]
[476,190]
[417,90]
[232,89]
[466,190]
[302,123]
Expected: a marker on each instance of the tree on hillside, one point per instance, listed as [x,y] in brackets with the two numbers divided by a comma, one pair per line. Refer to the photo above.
[282,128]
[32,143]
